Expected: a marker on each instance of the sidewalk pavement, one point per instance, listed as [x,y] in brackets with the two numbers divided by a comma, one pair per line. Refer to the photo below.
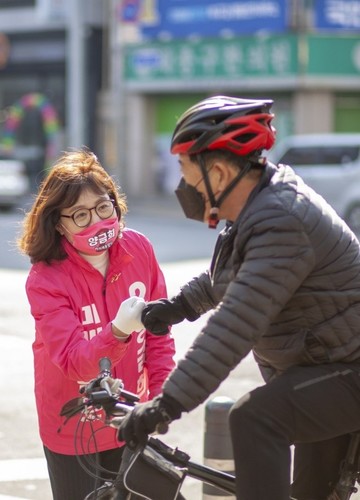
[23,473]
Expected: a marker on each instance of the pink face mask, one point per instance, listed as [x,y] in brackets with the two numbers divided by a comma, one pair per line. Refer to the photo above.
[96,238]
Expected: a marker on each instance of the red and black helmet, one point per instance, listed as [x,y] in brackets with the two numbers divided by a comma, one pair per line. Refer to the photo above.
[242,126]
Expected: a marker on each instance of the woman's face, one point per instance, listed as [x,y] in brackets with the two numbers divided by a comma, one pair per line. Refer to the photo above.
[83,211]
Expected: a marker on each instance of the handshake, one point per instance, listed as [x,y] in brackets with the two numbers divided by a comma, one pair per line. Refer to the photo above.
[157,316]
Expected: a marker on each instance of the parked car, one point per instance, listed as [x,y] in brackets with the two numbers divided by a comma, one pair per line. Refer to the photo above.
[330,164]
[14,182]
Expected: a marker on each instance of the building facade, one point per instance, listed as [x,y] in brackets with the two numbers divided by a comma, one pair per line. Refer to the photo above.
[115,75]
[50,78]
[303,54]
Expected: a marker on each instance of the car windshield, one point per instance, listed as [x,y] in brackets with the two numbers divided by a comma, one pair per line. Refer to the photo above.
[315,155]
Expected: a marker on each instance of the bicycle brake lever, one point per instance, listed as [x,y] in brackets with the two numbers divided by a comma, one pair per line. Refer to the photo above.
[72,407]
[104,384]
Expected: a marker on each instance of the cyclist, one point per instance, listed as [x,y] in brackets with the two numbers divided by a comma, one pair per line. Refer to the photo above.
[85,264]
[284,282]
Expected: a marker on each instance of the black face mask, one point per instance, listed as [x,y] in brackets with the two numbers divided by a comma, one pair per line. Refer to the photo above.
[192,202]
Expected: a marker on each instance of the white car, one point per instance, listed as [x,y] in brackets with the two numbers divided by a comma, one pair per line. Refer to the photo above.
[14,182]
[330,164]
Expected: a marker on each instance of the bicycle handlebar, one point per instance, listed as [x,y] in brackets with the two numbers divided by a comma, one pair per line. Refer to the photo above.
[102,390]
[109,393]
[105,366]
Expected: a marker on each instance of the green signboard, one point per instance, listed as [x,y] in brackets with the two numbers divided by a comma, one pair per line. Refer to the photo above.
[334,55]
[273,57]
[218,58]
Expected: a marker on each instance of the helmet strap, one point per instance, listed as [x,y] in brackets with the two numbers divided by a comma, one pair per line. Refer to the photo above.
[215,204]
[214,211]
[205,175]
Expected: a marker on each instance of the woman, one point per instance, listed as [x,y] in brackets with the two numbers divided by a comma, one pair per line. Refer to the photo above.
[85,264]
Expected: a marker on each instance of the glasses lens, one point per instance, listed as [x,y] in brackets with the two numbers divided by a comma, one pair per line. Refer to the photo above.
[105,209]
[82,217]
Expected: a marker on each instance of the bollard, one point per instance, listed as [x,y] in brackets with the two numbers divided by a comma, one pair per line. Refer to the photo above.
[218,452]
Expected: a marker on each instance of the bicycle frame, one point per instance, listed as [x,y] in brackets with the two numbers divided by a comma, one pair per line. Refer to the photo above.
[171,464]
[350,473]
[172,461]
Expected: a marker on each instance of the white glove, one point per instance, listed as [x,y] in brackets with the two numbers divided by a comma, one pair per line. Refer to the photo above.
[128,317]
[113,385]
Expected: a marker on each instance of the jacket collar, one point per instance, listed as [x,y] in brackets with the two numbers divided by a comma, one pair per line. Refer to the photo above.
[265,179]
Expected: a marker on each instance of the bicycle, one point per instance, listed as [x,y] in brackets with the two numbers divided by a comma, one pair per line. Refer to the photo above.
[163,468]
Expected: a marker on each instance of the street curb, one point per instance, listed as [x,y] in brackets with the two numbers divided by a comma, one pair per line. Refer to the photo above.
[23,469]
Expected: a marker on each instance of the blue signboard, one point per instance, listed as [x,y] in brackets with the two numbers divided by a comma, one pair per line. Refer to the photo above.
[337,15]
[211,18]
[129,10]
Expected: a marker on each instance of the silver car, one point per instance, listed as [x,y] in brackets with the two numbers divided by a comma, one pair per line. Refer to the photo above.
[14,182]
[330,164]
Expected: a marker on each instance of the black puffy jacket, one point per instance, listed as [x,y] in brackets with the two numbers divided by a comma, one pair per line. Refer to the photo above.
[284,282]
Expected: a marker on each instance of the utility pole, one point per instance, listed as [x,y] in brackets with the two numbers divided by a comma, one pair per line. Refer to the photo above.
[118,91]
[75,91]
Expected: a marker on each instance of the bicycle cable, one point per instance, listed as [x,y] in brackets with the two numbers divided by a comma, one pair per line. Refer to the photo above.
[87,459]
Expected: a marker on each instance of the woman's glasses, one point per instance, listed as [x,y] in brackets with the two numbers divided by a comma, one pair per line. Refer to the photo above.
[82,217]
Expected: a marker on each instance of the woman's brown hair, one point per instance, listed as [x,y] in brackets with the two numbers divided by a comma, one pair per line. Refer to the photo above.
[74,172]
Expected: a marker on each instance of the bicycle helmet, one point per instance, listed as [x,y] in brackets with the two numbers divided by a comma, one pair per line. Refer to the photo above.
[238,125]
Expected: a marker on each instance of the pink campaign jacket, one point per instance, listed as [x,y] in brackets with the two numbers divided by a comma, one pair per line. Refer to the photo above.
[73,306]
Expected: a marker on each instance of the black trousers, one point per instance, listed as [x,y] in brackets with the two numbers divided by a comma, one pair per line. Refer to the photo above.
[68,479]
[314,408]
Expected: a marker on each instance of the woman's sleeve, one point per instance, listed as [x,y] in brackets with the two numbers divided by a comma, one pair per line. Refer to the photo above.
[60,332]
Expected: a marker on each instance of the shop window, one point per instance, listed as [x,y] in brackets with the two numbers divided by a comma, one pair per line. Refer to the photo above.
[7,4]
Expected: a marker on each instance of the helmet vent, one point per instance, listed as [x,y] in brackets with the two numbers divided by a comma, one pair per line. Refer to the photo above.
[238,125]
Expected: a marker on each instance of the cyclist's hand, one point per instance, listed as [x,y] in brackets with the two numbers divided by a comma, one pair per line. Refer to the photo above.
[159,315]
[128,317]
[144,419]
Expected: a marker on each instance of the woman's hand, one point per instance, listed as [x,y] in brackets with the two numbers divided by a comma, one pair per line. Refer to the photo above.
[128,317]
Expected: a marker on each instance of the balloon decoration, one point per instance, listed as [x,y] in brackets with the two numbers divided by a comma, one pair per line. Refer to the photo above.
[16,115]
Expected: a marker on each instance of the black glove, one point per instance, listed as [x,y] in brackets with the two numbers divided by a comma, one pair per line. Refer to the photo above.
[158,315]
[145,418]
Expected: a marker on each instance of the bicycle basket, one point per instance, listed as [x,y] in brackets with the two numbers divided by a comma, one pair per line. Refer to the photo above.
[153,477]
